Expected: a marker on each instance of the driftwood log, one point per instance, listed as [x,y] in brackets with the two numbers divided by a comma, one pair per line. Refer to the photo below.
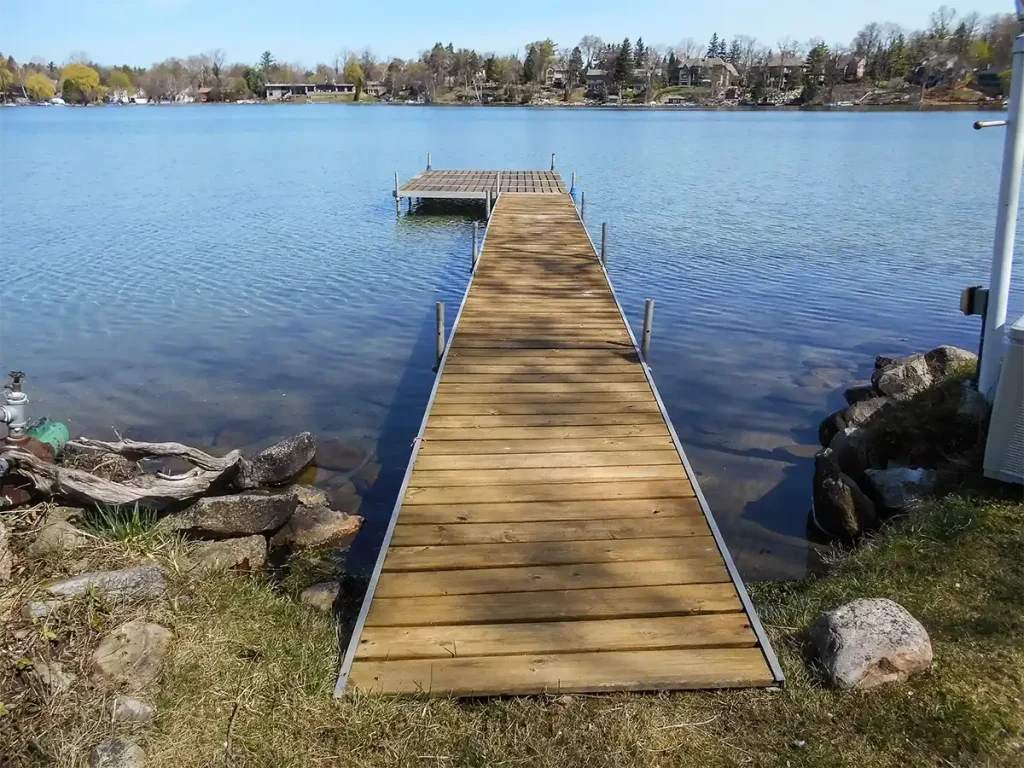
[133,450]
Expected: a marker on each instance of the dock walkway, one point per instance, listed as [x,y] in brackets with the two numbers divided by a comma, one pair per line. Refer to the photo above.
[550,536]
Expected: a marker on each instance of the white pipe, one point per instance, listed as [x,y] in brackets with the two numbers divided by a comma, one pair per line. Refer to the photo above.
[1006,230]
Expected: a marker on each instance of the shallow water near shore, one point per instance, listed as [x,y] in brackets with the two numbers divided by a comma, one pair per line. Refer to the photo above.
[224,276]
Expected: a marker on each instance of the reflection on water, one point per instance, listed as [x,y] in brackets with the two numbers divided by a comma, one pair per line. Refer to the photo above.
[225,276]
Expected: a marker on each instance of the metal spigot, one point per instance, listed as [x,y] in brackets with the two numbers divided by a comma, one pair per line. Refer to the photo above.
[15,413]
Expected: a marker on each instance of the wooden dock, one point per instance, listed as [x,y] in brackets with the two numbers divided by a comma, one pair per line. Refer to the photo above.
[474,185]
[550,536]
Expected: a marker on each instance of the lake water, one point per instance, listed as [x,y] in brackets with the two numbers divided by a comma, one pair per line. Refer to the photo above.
[226,275]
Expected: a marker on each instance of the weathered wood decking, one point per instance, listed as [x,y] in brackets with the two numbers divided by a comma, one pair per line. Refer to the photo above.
[473,185]
[550,537]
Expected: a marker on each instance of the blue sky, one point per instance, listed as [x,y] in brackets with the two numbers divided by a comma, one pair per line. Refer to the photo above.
[140,32]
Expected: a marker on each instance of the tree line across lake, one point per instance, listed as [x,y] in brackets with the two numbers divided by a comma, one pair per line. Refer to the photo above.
[887,51]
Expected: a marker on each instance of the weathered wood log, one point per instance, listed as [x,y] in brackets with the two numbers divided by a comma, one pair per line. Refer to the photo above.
[146,490]
[136,450]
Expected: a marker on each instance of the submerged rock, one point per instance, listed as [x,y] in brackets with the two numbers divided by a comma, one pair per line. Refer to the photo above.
[321,595]
[131,710]
[897,488]
[244,514]
[906,377]
[339,456]
[57,537]
[308,495]
[146,581]
[117,753]
[278,463]
[840,507]
[869,642]
[245,554]
[132,655]
[317,526]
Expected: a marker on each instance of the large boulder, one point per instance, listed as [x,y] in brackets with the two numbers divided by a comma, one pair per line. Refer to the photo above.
[141,582]
[132,655]
[6,556]
[856,450]
[248,553]
[117,753]
[869,642]
[278,463]
[841,508]
[906,377]
[859,414]
[897,488]
[244,514]
[858,392]
[317,526]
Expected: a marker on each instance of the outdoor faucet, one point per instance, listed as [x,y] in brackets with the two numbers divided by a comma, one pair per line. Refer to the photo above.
[15,413]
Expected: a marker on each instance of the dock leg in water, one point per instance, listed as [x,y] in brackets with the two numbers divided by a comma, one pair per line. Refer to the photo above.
[645,342]
[398,200]
[583,200]
[487,203]
[440,331]
[476,250]
[604,243]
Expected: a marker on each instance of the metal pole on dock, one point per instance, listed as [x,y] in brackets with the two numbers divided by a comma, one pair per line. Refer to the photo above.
[604,243]
[488,205]
[1006,229]
[476,254]
[428,161]
[583,200]
[440,331]
[552,161]
[398,200]
[573,185]
[645,343]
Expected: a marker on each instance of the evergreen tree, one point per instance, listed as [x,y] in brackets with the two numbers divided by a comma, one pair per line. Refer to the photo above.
[624,65]
[712,46]
[723,49]
[672,68]
[266,61]
[531,65]
[735,52]
[816,62]
[575,67]
[639,52]
[897,58]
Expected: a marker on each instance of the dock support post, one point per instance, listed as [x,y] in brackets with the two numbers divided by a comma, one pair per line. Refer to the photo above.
[583,200]
[552,161]
[604,243]
[487,203]
[476,252]
[428,162]
[440,331]
[573,184]
[398,200]
[645,344]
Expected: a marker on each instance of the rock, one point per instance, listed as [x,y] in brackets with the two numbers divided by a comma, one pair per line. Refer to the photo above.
[367,474]
[146,581]
[131,710]
[859,414]
[6,556]
[859,392]
[39,609]
[317,526]
[840,507]
[897,488]
[321,595]
[909,376]
[869,642]
[338,456]
[973,405]
[117,753]
[244,514]
[857,449]
[132,655]
[57,537]
[344,497]
[308,495]
[244,554]
[51,676]
[278,463]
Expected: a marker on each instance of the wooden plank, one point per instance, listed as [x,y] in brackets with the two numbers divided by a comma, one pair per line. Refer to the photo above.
[604,377]
[466,556]
[576,388]
[483,421]
[566,445]
[678,669]
[550,510]
[545,433]
[705,568]
[496,409]
[557,605]
[560,530]
[730,630]
[426,462]
[553,353]
[460,478]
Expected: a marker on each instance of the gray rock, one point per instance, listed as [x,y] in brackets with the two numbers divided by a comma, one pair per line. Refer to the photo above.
[317,526]
[308,495]
[245,554]
[897,488]
[244,514]
[857,449]
[973,405]
[339,456]
[909,376]
[869,642]
[131,710]
[344,497]
[859,392]
[859,414]
[278,463]
[51,676]
[6,556]
[132,655]
[840,507]
[142,582]
[39,609]
[117,753]
[56,537]
[321,595]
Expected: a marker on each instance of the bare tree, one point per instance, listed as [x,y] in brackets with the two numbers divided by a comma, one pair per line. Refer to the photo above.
[216,57]
[590,47]
[940,22]
[78,57]
[748,52]
[788,46]
[688,48]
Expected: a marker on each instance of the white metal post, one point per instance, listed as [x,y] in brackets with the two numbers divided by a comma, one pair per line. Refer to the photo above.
[1006,230]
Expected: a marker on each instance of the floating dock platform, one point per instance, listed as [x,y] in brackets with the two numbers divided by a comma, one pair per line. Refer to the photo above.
[550,535]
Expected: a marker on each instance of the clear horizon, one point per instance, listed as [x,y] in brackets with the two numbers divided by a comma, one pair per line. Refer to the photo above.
[142,32]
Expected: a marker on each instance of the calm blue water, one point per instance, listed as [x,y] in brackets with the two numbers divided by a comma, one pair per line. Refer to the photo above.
[226,275]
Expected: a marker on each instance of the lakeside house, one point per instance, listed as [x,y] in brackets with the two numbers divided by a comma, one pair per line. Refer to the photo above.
[713,72]
[783,71]
[851,68]
[279,91]
[556,77]
[597,81]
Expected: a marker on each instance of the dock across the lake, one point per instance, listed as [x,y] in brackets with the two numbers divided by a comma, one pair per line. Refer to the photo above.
[550,535]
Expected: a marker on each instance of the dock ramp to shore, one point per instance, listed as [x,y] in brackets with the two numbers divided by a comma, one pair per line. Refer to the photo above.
[550,536]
